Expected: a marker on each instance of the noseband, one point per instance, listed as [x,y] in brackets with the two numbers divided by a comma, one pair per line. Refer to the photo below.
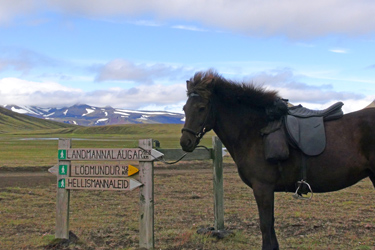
[199,135]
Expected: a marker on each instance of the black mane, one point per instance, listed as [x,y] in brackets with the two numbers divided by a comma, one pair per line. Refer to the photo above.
[211,83]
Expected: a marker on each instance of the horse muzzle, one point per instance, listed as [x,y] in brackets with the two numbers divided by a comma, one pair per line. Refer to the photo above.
[188,141]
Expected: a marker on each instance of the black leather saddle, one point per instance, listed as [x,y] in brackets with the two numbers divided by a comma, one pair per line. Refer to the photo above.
[305,127]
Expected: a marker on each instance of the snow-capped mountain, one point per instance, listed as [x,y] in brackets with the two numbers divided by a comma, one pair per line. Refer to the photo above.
[86,115]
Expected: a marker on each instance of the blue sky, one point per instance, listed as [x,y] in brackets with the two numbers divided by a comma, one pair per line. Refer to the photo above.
[138,54]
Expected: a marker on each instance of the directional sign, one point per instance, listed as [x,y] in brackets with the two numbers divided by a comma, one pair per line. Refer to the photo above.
[119,184]
[108,154]
[102,170]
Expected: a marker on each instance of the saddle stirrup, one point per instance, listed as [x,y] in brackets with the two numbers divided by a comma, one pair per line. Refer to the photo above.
[299,196]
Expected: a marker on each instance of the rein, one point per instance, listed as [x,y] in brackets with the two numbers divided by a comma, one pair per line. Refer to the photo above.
[179,159]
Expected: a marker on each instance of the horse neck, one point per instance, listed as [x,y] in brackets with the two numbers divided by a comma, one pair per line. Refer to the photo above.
[238,126]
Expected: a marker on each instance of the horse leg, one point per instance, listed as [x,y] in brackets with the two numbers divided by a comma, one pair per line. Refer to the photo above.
[372,178]
[264,196]
[372,168]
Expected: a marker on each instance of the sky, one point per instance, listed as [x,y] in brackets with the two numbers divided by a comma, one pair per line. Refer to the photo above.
[139,54]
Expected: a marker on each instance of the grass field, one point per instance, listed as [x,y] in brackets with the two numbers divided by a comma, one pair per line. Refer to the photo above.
[39,147]
[183,201]
[183,204]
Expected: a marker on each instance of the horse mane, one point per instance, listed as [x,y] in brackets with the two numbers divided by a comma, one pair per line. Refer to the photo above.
[210,83]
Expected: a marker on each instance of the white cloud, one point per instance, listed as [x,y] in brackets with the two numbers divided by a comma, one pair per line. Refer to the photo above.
[340,51]
[51,94]
[290,87]
[24,60]
[22,92]
[314,97]
[138,97]
[293,18]
[150,23]
[122,70]
[11,9]
[186,27]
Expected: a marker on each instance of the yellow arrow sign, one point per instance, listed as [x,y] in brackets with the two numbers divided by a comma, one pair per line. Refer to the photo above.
[132,170]
[95,170]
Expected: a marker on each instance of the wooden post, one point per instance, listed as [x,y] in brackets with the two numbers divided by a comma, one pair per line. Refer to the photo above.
[146,220]
[218,183]
[63,195]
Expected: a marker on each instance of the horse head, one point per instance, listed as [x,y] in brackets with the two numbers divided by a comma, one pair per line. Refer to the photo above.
[199,112]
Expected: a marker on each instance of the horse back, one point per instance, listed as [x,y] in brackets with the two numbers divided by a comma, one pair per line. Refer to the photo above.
[349,155]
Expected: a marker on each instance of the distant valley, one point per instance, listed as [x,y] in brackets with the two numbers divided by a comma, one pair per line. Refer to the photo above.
[86,115]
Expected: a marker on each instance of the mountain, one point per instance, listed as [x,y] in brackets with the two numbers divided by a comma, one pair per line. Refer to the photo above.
[86,115]
[12,121]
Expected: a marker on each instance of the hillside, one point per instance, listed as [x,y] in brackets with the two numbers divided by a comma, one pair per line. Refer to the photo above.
[12,122]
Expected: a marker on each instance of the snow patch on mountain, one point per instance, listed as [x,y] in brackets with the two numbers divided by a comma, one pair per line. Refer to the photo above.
[89,111]
[86,115]
[101,120]
[121,113]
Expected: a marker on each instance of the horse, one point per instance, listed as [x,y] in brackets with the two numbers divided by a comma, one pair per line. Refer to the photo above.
[236,112]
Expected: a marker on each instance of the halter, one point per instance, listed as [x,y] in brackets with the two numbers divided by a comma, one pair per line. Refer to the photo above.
[199,135]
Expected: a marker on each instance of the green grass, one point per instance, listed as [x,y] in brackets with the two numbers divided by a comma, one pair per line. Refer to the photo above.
[19,146]
[183,201]
[22,149]
[183,204]
[13,122]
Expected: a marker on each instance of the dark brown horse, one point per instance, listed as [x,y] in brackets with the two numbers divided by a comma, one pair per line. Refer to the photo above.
[236,112]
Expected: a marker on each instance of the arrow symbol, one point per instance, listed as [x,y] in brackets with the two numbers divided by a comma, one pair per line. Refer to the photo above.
[134,184]
[54,170]
[132,170]
[156,154]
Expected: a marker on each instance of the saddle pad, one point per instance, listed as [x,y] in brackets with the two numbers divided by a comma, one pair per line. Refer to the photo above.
[308,134]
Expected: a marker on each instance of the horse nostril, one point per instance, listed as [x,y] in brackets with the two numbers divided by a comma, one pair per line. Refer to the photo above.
[185,143]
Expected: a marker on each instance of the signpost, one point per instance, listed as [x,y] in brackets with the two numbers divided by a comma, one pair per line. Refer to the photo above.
[114,177]
[103,176]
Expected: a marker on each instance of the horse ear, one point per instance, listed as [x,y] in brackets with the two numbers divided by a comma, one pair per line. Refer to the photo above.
[210,85]
[188,84]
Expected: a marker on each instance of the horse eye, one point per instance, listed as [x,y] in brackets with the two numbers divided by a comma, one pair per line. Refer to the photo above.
[201,109]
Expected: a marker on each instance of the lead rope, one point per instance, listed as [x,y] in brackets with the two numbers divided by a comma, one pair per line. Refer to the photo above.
[174,162]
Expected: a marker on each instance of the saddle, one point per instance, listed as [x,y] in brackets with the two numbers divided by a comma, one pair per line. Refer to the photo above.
[305,127]
[300,128]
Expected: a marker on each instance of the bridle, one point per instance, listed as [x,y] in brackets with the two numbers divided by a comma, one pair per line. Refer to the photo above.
[199,135]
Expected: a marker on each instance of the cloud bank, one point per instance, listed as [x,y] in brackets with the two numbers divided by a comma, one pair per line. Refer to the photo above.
[52,94]
[122,70]
[171,97]
[292,18]
[310,96]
